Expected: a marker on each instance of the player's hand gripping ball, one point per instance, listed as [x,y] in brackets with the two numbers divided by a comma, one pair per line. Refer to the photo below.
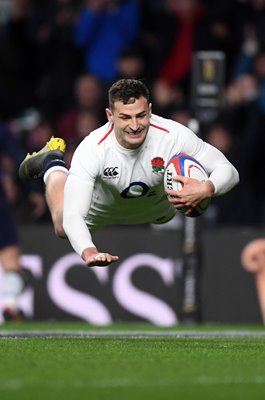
[185,165]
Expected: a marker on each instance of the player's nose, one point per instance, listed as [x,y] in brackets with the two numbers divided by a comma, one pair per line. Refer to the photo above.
[134,124]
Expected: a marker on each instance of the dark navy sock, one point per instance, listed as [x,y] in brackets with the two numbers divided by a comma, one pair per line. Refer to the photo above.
[53,160]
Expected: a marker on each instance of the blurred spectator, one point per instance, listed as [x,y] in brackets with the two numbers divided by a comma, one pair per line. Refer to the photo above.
[88,97]
[242,91]
[40,60]
[104,29]
[156,32]
[177,64]
[253,19]
[250,69]
[259,70]
[164,97]
[58,62]
[17,64]
[180,113]
[245,100]
[224,212]
[221,137]
[221,30]
[86,122]
[37,137]
[131,64]
[174,29]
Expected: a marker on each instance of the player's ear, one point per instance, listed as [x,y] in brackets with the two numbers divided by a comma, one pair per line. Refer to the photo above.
[150,109]
[109,114]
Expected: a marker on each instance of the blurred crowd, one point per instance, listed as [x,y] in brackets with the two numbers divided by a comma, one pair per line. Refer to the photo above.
[59,57]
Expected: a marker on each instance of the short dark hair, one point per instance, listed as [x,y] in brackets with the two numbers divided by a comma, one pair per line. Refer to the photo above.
[127,91]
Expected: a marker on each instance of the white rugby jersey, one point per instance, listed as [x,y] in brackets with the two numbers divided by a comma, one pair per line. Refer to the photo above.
[109,184]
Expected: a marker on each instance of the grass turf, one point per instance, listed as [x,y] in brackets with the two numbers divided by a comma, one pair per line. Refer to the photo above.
[131,368]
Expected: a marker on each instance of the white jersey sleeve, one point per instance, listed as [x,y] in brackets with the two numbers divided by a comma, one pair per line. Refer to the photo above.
[75,211]
[78,193]
[223,174]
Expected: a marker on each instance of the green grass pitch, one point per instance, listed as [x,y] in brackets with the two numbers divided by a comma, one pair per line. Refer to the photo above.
[46,361]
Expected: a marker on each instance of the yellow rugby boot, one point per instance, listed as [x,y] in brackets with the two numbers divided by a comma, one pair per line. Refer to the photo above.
[32,166]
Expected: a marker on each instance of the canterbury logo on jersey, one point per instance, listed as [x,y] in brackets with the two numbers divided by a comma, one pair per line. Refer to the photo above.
[111,172]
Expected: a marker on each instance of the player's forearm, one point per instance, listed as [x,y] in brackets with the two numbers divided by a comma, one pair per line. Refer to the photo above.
[224,178]
[222,173]
[77,199]
[77,233]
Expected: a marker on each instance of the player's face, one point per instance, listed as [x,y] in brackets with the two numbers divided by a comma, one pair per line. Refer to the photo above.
[131,122]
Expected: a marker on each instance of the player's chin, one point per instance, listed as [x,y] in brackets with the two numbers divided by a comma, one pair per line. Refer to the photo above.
[134,144]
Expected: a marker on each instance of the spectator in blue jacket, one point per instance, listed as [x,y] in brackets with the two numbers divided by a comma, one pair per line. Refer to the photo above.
[104,29]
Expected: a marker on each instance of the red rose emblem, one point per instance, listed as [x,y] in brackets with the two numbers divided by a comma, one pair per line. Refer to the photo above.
[158,165]
[157,162]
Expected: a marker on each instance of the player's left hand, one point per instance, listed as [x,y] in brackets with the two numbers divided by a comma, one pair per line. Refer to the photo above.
[93,258]
[191,194]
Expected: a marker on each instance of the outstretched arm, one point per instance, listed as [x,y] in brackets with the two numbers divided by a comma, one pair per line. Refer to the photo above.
[77,200]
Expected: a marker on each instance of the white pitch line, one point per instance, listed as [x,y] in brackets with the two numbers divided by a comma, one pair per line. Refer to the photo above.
[131,334]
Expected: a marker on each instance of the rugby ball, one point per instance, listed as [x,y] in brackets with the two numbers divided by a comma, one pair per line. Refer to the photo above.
[185,165]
